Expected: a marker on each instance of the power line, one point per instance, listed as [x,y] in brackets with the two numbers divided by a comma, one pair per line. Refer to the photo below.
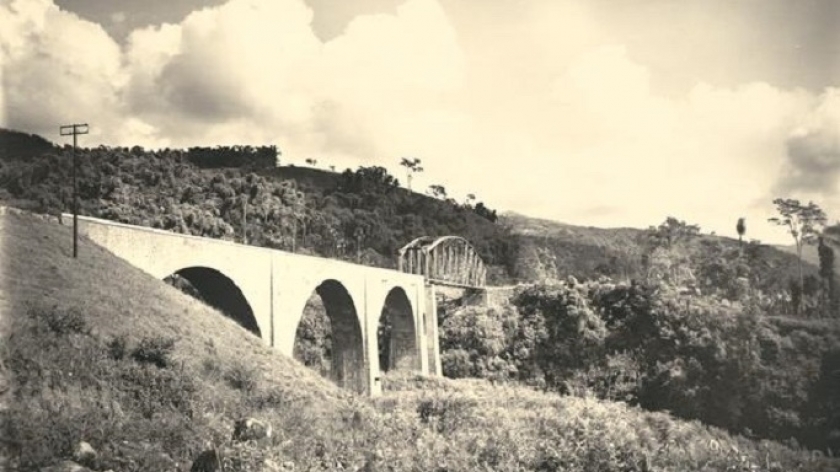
[75,130]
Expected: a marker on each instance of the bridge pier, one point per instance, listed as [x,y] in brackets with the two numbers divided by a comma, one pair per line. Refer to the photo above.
[431,332]
[371,299]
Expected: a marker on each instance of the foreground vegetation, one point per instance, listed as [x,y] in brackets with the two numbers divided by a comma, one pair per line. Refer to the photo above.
[150,378]
[727,364]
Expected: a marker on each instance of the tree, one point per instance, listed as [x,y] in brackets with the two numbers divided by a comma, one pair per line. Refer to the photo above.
[741,227]
[803,222]
[438,191]
[412,166]
[671,232]
[662,252]
[372,181]
[484,212]
[829,240]
[828,294]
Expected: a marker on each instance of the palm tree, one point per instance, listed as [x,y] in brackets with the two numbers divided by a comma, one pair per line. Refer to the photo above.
[741,227]
[412,166]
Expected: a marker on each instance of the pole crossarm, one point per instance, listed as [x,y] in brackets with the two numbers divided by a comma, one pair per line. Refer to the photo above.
[75,130]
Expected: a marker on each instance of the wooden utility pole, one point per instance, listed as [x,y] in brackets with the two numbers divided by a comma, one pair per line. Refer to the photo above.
[244,220]
[75,130]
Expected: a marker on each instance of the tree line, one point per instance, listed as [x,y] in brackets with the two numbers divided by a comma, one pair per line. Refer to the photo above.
[234,193]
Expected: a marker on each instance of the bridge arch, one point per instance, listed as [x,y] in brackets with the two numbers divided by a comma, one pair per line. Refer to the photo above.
[347,348]
[397,334]
[447,260]
[219,291]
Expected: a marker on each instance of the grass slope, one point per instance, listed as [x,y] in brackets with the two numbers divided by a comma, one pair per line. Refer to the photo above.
[93,349]
[585,251]
[63,321]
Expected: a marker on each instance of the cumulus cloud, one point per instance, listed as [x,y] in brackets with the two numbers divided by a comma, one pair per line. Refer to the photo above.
[544,113]
[812,166]
[57,68]
[708,154]
[246,70]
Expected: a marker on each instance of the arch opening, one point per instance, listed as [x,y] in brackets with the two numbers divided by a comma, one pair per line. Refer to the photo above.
[397,336]
[328,338]
[218,291]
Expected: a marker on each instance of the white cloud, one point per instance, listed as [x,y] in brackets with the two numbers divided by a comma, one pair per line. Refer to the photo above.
[544,112]
[57,68]
[812,166]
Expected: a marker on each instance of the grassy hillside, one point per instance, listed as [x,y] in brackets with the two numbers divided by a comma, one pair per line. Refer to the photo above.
[72,329]
[549,248]
[809,254]
[307,178]
[95,350]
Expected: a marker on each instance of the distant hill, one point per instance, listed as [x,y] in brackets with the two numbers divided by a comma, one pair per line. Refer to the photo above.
[307,178]
[566,249]
[554,249]
[17,145]
[809,253]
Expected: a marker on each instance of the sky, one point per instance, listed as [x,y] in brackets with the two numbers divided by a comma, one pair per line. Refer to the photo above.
[596,112]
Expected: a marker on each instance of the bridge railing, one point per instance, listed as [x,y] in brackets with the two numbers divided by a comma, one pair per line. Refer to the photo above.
[449,260]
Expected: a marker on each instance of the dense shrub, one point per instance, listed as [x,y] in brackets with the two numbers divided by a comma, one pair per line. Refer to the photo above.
[558,333]
[474,343]
[158,391]
[242,377]
[154,350]
[726,364]
[118,347]
[62,321]
[445,413]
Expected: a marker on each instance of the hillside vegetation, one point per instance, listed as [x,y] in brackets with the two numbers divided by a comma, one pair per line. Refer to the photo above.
[151,377]
[364,215]
[733,365]
[238,193]
[666,319]
[548,249]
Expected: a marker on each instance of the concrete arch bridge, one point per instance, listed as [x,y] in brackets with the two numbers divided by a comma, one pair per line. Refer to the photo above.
[266,290]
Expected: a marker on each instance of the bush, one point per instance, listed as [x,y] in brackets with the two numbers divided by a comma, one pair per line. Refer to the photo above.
[445,414]
[162,391]
[118,347]
[242,377]
[271,398]
[617,378]
[62,321]
[156,350]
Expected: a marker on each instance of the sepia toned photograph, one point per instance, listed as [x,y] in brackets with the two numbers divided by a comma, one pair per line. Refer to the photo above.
[419,235]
